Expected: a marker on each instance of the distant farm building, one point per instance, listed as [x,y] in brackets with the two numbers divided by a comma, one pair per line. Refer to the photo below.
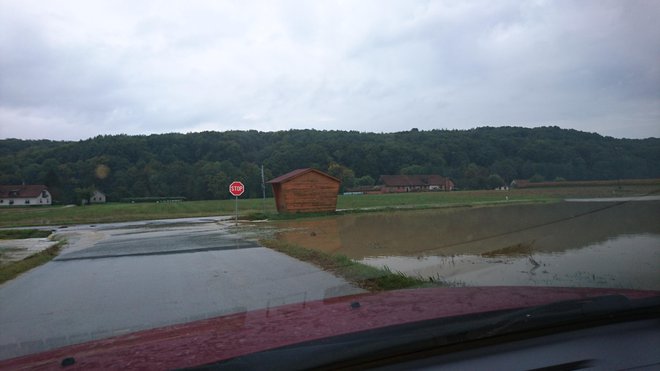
[415,183]
[24,195]
[305,191]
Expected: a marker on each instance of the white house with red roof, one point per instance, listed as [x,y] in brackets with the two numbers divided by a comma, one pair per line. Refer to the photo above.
[25,195]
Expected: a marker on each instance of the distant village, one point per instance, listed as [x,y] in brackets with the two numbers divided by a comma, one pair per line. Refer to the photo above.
[37,194]
[316,183]
[405,183]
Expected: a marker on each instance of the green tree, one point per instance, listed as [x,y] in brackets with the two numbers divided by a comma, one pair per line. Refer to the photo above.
[366,180]
[495,181]
[83,195]
[475,177]
[346,175]
[414,170]
[189,164]
[537,178]
[217,185]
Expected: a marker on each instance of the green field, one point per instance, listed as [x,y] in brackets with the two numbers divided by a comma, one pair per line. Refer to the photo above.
[17,234]
[13,269]
[115,212]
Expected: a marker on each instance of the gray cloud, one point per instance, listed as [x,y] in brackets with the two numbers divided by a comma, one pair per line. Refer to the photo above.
[75,69]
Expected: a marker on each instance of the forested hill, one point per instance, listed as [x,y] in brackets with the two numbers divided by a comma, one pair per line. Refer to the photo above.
[201,165]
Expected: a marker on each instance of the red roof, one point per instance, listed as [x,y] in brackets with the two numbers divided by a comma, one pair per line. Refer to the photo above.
[22,191]
[412,180]
[296,173]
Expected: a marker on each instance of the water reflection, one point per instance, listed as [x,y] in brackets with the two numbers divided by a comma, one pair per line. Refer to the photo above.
[625,262]
[575,244]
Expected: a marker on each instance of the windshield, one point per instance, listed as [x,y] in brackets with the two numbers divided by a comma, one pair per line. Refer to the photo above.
[163,163]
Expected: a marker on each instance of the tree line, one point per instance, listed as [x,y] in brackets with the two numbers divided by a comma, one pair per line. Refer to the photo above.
[201,165]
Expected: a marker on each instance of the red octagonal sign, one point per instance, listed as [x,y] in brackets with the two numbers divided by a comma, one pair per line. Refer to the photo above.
[236,188]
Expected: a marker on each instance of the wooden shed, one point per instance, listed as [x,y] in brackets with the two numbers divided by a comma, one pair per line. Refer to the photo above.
[305,191]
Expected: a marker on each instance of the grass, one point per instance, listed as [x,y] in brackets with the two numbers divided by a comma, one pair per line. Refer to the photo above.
[120,212]
[13,269]
[348,204]
[19,234]
[361,275]
[257,208]
[464,198]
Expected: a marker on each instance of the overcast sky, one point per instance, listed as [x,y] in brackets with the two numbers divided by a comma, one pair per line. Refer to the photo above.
[77,69]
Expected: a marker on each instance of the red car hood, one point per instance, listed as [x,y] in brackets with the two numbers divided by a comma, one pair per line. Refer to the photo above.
[206,341]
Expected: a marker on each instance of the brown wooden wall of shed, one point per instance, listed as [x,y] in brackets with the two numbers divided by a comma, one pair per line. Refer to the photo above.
[311,192]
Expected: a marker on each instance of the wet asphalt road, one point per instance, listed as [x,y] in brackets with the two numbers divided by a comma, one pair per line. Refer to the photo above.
[116,279]
[177,240]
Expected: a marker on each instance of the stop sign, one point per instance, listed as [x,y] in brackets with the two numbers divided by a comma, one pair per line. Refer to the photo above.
[236,188]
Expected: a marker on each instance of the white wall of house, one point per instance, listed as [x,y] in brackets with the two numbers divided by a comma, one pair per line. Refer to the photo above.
[43,199]
[97,198]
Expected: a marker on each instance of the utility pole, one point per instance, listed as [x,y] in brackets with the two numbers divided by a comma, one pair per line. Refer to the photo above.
[263,191]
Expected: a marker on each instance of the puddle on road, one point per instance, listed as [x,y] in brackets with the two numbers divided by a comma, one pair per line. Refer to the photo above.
[168,240]
[563,244]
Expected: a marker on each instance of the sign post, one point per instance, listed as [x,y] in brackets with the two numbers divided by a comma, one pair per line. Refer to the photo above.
[263,191]
[236,189]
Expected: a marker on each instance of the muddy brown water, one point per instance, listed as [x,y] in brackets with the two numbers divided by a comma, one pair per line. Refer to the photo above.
[599,244]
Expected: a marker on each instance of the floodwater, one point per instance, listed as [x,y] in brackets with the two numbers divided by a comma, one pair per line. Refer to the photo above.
[591,244]
[118,278]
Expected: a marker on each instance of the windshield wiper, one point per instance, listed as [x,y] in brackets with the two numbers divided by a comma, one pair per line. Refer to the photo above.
[571,311]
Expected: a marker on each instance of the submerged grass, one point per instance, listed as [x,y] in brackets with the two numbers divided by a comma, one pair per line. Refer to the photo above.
[361,275]
[13,269]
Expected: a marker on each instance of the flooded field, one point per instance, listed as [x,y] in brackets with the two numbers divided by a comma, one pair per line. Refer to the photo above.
[597,244]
